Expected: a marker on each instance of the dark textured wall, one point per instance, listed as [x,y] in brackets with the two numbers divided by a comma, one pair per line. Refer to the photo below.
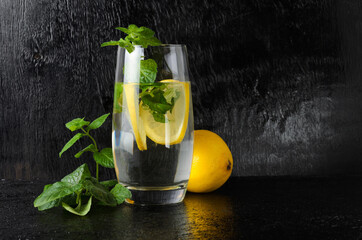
[279,81]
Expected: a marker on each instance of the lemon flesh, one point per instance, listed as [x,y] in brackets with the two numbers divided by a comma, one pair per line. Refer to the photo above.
[131,91]
[174,129]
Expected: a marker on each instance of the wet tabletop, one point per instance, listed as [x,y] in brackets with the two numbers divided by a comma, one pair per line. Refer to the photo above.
[244,208]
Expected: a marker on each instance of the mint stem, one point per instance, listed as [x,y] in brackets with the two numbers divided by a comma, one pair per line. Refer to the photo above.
[78,198]
[97,171]
[95,145]
[94,141]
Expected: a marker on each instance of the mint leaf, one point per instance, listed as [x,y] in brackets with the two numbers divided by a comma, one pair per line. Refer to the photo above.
[56,191]
[110,43]
[100,192]
[76,124]
[153,41]
[125,30]
[98,122]
[104,157]
[51,204]
[148,70]
[157,102]
[171,95]
[89,148]
[118,97]
[135,36]
[146,32]
[71,142]
[122,43]
[109,183]
[78,175]
[159,98]
[159,117]
[47,186]
[125,43]
[141,36]
[133,28]
[69,199]
[120,193]
[79,210]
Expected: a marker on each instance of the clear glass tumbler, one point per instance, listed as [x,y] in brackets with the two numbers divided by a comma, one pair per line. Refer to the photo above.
[152,130]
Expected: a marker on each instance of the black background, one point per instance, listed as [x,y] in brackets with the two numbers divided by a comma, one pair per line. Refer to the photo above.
[278,80]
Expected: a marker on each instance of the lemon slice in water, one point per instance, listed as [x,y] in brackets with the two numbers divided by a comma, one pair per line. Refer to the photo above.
[173,130]
[131,91]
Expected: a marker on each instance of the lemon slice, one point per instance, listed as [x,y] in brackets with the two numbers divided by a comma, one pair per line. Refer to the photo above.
[173,130]
[131,91]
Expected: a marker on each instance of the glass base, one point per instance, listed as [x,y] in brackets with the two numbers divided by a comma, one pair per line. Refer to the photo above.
[157,195]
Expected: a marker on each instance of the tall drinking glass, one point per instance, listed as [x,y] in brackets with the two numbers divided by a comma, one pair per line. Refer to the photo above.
[152,130]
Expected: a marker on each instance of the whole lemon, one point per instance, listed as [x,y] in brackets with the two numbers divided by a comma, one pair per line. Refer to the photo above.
[212,162]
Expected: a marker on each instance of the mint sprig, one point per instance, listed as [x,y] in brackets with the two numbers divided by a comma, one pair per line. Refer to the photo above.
[98,156]
[139,36]
[135,36]
[155,97]
[78,190]
[148,71]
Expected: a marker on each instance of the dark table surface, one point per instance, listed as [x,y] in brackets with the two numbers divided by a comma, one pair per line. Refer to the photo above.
[244,208]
